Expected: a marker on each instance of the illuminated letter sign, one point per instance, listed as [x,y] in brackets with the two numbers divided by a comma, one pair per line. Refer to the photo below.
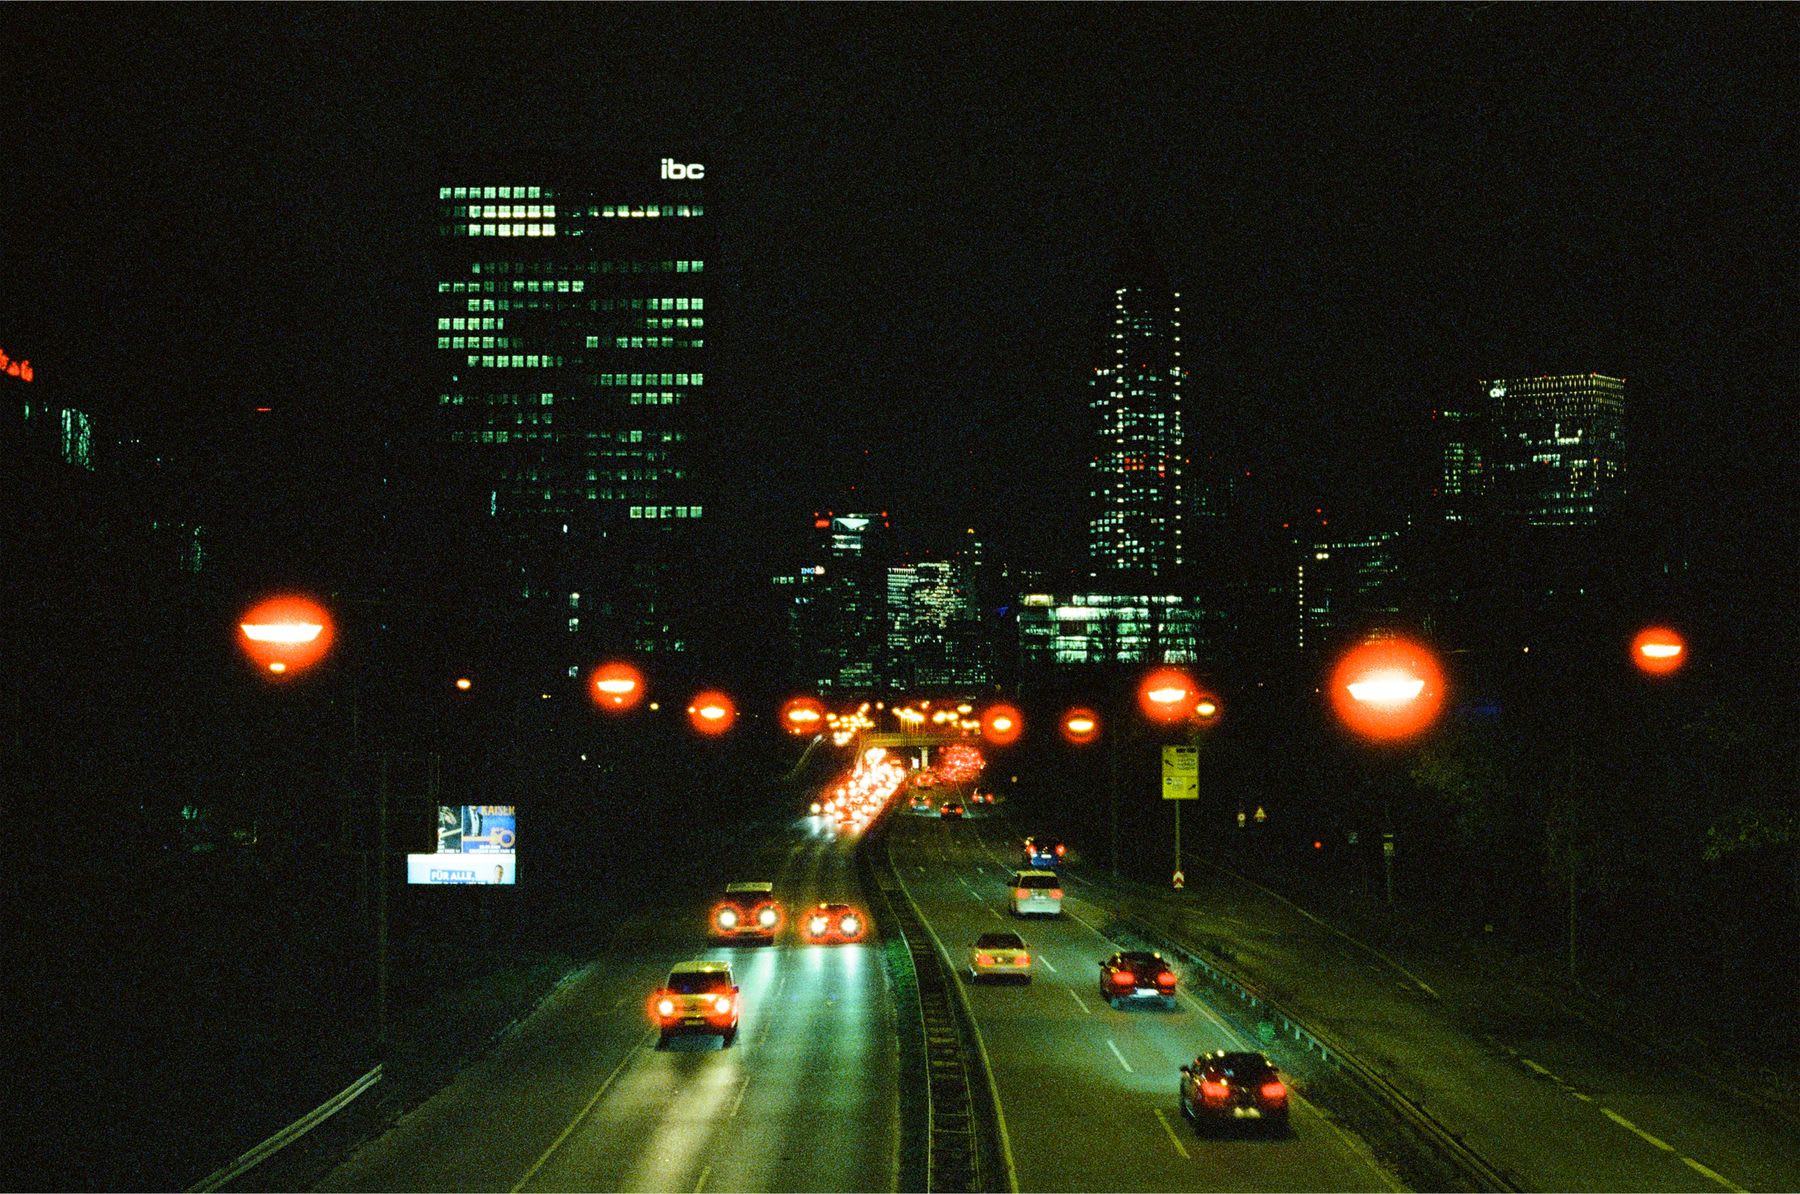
[674,169]
[12,368]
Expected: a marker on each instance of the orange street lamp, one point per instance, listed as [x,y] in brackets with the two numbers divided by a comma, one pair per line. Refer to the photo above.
[1387,689]
[802,715]
[1658,651]
[1168,695]
[616,686]
[463,684]
[285,635]
[712,712]
[1001,724]
[1080,726]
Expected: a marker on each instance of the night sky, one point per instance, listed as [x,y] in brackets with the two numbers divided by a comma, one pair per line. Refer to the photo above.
[209,209]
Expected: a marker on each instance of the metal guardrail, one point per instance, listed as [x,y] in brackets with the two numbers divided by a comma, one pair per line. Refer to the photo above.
[1476,1169]
[954,1119]
[280,1140]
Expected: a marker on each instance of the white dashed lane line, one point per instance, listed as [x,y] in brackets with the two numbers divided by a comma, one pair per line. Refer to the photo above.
[1120,1056]
[1078,1001]
[1170,1129]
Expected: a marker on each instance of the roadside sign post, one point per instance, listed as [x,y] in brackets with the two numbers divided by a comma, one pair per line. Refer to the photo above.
[1180,781]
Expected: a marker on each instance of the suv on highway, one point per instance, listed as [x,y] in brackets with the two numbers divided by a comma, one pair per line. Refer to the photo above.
[1036,893]
[748,912]
[699,997]
[1042,853]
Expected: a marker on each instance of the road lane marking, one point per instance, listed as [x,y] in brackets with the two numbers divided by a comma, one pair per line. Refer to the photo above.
[1173,1138]
[1631,1127]
[995,913]
[739,1101]
[1078,1003]
[581,1115]
[1703,1171]
[1120,1056]
[701,1184]
[1046,962]
[1540,1069]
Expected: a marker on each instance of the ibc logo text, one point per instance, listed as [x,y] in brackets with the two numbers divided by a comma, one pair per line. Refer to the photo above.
[674,169]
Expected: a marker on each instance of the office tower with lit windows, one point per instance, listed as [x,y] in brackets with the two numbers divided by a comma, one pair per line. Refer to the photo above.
[935,636]
[836,605]
[1137,488]
[569,377]
[1345,582]
[1555,454]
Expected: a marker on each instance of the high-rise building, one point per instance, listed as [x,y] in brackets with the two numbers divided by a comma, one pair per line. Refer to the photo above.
[1555,448]
[836,605]
[935,634]
[1344,582]
[1078,629]
[570,373]
[1137,487]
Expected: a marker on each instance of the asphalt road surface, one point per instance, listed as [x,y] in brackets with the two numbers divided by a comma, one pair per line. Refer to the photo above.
[579,1097]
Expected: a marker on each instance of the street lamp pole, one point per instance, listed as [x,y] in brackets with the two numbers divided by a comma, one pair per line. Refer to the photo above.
[381,911]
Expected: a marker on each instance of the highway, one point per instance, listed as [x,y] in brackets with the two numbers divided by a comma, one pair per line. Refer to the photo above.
[1088,1093]
[580,1098]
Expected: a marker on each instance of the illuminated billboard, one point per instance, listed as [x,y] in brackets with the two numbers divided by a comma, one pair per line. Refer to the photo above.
[475,845]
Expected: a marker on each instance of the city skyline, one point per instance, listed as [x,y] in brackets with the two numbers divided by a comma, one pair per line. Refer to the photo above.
[913,366]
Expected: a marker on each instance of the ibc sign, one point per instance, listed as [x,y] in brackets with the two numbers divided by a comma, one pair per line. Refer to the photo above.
[674,169]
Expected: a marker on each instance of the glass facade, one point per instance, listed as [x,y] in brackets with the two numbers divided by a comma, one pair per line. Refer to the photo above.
[569,332]
[1136,467]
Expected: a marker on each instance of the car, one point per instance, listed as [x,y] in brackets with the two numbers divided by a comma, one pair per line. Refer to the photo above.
[1042,853]
[1000,955]
[829,923]
[749,912]
[1133,974]
[1036,893]
[1240,1089]
[700,996]
[952,810]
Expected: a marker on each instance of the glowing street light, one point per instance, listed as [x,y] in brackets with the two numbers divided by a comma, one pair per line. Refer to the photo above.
[616,686]
[285,635]
[1080,726]
[802,715]
[1387,689]
[1168,695]
[712,712]
[1001,724]
[463,684]
[1658,651]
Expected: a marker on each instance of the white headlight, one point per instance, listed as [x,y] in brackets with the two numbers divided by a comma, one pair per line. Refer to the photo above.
[728,918]
[766,918]
[665,1007]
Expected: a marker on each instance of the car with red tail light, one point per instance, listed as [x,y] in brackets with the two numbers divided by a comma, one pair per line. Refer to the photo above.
[1237,1089]
[700,997]
[1036,893]
[1000,955]
[1131,975]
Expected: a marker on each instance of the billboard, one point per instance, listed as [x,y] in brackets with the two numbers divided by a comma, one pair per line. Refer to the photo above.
[475,845]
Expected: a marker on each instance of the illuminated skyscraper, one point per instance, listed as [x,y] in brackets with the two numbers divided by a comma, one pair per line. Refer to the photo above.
[1136,487]
[1556,447]
[570,371]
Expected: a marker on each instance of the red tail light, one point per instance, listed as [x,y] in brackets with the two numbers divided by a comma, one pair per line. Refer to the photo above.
[1024,959]
[1056,893]
[1165,979]
[1124,978]
[1275,1092]
[1023,893]
[984,959]
[722,1004]
[1059,849]
[1214,1091]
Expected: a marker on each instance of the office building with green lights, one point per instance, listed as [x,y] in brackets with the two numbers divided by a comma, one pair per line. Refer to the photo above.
[570,374]
[1557,447]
